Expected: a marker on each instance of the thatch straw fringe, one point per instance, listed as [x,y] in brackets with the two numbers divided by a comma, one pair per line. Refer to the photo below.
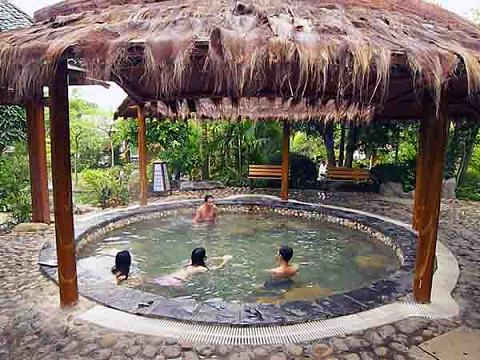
[290,49]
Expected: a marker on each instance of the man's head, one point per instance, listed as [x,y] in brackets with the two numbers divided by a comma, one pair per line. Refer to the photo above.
[209,200]
[286,253]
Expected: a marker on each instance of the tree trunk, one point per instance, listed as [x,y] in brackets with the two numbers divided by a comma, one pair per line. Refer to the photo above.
[351,145]
[341,156]
[467,154]
[329,144]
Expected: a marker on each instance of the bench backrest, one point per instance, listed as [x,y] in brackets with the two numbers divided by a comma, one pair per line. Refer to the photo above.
[265,171]
[342,173]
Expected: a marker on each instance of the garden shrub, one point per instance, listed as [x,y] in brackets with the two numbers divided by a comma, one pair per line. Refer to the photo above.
[15,195]
[403,173]
[107,187]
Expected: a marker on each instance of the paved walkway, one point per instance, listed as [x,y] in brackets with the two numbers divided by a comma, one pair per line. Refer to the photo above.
[33,327]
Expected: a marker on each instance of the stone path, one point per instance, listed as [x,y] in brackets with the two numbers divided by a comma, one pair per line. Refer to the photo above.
[33,327]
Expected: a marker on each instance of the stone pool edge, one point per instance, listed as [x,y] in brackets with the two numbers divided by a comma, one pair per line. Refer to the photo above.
[229,313]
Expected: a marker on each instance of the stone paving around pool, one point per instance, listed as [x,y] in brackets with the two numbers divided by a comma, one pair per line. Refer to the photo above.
[33,327]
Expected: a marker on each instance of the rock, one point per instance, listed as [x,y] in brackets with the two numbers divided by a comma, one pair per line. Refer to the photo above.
[366,356]
[132,350]
[88,349]
[103,354]
[392,189]
[170,341]
[149,351]
[401,338]
[386,331]
[159,357]
[373,338]
[427,333]
[381,351]
[79,209]
[411,326]
[71,347]
[351,357]
[417,340]
[172,351]
[30,227]
[239,356]
[321,351]
[260,353]
[294,350]
[278,356]
[107,341]
[355,343]
[200,185]
[204,350]
[3,322]
[448,189]
[185,345]
[117,357]
[222,350]
[398,357]
[398,347]
[338,345]
[190,355]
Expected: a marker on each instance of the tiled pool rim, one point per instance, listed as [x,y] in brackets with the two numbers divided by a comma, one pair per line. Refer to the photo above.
[388,290]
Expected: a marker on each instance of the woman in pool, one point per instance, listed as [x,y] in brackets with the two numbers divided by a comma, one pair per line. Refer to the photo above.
[123,261]
[197,265]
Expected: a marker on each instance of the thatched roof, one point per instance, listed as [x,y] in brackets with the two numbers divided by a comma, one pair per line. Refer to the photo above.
[370,52]
[250,108]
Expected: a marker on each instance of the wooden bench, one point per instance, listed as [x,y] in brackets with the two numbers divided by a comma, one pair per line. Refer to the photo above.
[347,174]
[271,172]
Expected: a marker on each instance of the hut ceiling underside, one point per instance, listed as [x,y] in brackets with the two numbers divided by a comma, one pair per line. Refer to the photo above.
[373,56]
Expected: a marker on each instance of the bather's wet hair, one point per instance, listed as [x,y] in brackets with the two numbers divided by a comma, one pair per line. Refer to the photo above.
[208,197]
[286,252]
[198,257]
[123,260]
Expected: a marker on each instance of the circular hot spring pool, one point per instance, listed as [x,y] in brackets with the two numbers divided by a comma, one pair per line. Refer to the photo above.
[348,262]
[331,258]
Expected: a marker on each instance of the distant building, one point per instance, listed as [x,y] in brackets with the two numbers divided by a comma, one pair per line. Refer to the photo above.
[11,17]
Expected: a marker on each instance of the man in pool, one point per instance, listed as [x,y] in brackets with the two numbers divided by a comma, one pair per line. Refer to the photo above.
[207,212]
[284,270]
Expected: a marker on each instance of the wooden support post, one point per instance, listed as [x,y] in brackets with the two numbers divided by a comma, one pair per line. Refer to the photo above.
[62,186]
[37,155]
[285,162]
[419,205]
[142,155]
[433,139]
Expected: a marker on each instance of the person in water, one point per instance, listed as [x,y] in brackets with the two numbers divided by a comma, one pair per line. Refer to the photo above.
[123,261]
[206,212]
[284,270]
[197,265]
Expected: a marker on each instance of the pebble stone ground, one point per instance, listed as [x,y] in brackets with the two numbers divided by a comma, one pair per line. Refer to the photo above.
[33,327]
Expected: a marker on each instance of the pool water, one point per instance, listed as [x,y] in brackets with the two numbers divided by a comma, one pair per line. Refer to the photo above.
[331,258]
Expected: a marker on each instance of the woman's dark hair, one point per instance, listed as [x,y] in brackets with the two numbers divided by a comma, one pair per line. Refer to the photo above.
[208,197]
[198,257]
[286,252]
[123,260]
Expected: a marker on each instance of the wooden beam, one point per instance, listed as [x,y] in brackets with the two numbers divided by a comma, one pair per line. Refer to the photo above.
[142,154]
[285,163]
[62,186]
[37,155]
[433,139]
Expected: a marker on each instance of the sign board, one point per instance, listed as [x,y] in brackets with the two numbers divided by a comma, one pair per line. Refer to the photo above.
[161,182]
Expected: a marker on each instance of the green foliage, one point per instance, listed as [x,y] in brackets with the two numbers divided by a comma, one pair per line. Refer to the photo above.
[107,187]
[470,187]
[89,135]
[310,146]
[12,126]
[14,184]
[403,173]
